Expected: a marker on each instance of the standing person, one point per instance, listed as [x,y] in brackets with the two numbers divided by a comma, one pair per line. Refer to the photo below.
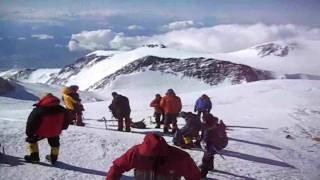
[171,105]
[69,103]
[155,159]
[78,107]
[120,109]
[47,120]
[190,131]
[158,111]
[203,105]
[214,138]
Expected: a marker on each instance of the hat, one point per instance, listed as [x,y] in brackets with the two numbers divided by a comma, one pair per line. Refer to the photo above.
[114,93]
[170,91]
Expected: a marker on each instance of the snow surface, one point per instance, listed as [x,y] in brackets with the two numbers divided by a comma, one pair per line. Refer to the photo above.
[260,115]
[304,58]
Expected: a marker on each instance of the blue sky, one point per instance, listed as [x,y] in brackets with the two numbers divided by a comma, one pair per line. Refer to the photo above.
[36,33]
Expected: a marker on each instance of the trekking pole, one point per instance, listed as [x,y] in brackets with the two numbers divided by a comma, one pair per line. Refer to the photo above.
[218,152]
[105,122]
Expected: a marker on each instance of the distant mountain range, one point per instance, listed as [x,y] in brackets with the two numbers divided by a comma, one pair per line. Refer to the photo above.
[96,70]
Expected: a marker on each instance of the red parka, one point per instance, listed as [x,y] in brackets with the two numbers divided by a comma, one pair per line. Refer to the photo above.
[154,158]
[47,119]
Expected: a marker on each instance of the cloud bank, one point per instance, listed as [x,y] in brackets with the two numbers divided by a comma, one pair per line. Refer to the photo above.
[42,36]
[177,25]
[215,39]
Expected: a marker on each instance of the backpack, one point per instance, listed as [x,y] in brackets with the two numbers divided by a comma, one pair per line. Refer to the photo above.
[222,135]
[139,125]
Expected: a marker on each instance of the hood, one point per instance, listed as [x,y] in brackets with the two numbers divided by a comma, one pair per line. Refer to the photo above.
[66,90]
[48,100]
[153,145]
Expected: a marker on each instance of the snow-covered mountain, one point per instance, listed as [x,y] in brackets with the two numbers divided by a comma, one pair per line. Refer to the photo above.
[30,75]
[266,61]
[293,57]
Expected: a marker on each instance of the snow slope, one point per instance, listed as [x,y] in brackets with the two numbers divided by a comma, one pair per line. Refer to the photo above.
[303,57]
[260,116]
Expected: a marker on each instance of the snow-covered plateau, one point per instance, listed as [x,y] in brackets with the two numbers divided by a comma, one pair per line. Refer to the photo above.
[273,122]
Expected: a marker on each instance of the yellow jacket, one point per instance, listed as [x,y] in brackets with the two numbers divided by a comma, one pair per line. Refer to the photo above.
[69,102]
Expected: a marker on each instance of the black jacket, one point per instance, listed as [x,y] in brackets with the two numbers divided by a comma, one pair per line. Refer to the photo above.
[120,106]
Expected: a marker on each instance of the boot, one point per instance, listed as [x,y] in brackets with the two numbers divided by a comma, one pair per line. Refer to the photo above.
[157,126]
[128,129]
[33,157]
[53,157]
[34,153]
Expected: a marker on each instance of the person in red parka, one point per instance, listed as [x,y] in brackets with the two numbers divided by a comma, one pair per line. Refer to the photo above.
[47,120]
[171,104]
[158,111]
[155,159]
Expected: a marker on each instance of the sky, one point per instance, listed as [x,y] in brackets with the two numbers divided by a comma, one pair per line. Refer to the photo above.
[36,33]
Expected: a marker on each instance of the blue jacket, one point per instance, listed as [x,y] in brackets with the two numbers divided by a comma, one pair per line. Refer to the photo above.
[203,105]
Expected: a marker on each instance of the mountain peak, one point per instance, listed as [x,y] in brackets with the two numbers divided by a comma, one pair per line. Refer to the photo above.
[154,46]
[276,49]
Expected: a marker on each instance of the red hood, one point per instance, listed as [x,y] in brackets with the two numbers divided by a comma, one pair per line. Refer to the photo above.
[153,145]
[48,100]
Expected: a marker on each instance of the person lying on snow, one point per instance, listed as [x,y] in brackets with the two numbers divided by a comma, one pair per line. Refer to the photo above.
[213,139]
[72,105]
[47,120]
[190,131]
[154,159]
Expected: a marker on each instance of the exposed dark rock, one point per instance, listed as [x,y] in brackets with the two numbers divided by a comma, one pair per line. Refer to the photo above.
[210,71]
[73,69]
[154,46]
[5,86]
[274,49]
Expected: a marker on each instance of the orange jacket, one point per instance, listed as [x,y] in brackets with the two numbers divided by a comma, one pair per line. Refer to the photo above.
[171,103]
[156,104]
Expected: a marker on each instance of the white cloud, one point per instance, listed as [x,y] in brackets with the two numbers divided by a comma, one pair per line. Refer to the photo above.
[22,38]
[135,27]
[177,25]
[42,36]
[92,40]
[220,38]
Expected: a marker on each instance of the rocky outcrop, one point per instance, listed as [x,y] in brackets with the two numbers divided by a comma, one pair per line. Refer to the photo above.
[275,49]
[73,69]
[210,71]
[5,86]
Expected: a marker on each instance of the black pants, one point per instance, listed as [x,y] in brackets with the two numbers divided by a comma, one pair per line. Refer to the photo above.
[207,164]
[158,116]
[53,141]
[170,118]
[127,121]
